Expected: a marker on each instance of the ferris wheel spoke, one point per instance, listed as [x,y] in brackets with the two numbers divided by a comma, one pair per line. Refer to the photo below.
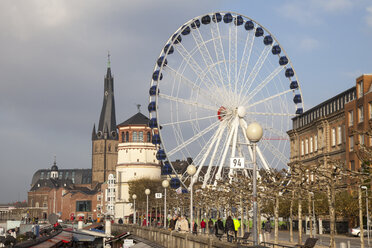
[194,138]
[193,86]
[263,159]
[245,58]
[190,120]
[232,58]
[257,68]
[198,38]
[276,152]
[267,99]
[188,102]
[218,48]
[271,114]
[267,80]
[280,134]
[195,67]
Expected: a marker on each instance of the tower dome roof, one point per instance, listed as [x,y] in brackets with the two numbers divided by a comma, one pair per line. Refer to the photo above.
[54,168]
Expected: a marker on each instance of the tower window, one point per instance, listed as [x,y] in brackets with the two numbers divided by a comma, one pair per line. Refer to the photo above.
[109,147]
[148,137]
[134,136]
[141,136]
[127,136]
[122,137]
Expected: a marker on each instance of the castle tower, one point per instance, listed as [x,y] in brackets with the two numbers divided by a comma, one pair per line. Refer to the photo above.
[54,170]
[105,139]
[136,159]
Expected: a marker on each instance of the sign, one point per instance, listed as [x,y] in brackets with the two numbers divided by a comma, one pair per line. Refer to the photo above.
[237,163]
[128,243]
[158,195]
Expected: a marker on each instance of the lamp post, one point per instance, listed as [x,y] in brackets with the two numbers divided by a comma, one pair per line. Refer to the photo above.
[147,192]
[365,187]
[165,185]
[134,196]
[254,134]
[191,169]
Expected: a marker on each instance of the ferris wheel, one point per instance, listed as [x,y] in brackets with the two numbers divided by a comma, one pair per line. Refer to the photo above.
[215,75]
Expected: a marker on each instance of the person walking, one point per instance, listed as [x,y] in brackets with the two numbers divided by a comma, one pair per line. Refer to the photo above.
[236,226]
[203,225]
[229,229]
[267,229]
[219,228]
[172,223]
[210,226]
[195,228]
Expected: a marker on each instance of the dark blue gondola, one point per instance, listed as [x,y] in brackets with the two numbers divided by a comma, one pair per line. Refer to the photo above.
[152,106]
[160,155]
[160,61]
[168,49]
[289,72]
[216,17]
[195,24]
[156,139]
[283,60]
[153,123]
[297,99]
[276,49]
[152,90]
[227,18]
[293,85]
[259,32]
[176,38]
[157,75]
[175,183]
[166,169]
[268,40]
[299,111]
[249,25]
[206,19]
[238,21]
[186,31]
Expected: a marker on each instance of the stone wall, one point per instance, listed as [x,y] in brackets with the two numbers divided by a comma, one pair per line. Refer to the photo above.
[171,239]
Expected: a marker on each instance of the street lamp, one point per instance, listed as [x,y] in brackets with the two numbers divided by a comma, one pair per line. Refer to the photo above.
[191,169]
[165,185]
[365,187]
[147,192]
[134,196]
[254,134]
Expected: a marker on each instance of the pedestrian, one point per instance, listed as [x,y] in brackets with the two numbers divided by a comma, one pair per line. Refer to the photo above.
[210,226]
[120,221]
[195,228]
[267,230]
[172,223]
[183,226]
[203,225]
[229,229]
[219,228]
[236,226]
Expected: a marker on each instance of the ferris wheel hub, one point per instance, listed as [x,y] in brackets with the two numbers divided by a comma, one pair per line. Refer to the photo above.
[241,111]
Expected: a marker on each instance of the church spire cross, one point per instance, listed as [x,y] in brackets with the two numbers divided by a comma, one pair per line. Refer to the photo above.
[108,59]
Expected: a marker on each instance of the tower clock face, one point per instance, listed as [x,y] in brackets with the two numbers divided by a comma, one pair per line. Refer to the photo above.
[99,134]
[106,93]
[113,133]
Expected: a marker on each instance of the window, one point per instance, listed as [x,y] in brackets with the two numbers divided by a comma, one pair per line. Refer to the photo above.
[148,137]
[60,175]
[316,143]
[333,136]
[361,139]
[73,176]
[370,110]
[339,135]
[122,137]
[361,114]
[127,136]
[134,136]
[141,136]
[352,165]
[66,175]
[306,146]
[351,143]
[360,89]
[42,175]
[83,206]
[109,147]
[311,144]
[48,175]
[302,147]
[351,118]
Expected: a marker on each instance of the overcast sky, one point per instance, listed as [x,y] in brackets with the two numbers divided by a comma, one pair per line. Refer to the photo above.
[53,57]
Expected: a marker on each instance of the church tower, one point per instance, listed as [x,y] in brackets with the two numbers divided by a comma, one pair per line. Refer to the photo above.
[105,138]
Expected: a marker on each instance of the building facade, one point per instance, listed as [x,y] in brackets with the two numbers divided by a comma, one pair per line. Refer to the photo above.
[136,159]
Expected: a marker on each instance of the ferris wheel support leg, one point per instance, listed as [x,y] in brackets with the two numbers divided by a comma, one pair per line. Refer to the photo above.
[235,137]
[207,175]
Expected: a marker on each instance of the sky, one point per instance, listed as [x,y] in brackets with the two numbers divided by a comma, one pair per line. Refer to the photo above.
[53,57]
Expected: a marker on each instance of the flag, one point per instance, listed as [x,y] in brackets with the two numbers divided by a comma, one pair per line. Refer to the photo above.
[179,190]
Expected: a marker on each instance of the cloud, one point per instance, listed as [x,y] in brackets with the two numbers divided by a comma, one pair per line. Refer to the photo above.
[368,18]
[308,44]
